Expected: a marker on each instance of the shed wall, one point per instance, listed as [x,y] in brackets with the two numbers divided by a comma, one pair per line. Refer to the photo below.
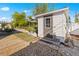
[59,25]
[41,26]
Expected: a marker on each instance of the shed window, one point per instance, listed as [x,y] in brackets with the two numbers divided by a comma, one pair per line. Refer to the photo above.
[47,22]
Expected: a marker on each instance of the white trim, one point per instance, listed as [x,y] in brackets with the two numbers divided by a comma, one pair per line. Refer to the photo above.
[41,27]
[64,9]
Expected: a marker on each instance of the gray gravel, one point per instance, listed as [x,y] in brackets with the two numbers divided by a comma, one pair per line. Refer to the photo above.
[37,49]
[44,49]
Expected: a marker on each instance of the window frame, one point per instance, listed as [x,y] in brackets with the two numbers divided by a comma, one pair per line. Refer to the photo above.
[49,26]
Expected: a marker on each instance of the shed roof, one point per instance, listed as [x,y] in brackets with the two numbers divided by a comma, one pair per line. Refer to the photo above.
[48,13]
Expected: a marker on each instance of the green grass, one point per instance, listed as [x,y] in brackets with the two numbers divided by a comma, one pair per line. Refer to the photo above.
[25,36]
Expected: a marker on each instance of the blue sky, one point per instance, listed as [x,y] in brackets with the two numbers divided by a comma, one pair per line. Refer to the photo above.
[7,9]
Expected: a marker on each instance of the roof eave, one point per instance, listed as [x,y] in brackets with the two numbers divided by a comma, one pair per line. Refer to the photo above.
[48,13]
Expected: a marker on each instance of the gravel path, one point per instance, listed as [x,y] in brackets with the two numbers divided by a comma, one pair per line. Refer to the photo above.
[37,49]
[44,49]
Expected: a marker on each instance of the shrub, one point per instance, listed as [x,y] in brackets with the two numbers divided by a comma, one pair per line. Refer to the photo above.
[30,29]
[7,29]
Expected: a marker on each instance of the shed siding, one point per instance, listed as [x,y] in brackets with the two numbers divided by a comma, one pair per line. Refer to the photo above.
[41,26]
[59,24]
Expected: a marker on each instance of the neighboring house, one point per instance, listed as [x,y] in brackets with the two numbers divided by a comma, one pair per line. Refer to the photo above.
[53,23]
[8,25]
[74,26]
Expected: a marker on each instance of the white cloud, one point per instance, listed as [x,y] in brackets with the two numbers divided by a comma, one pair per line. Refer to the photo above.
[26,11]
[5,9]
[6,19]
[3,18]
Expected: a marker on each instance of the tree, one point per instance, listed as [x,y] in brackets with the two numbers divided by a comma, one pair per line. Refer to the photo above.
[40,8]
[30,18]
[76,18]
[43,8]
[19,19]
[51,7]
[3,24]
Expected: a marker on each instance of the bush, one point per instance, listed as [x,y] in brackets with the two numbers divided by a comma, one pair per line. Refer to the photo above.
[8,29]
[36,30]
[30,29]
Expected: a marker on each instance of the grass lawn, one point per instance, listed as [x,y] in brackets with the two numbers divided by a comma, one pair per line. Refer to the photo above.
[26,37]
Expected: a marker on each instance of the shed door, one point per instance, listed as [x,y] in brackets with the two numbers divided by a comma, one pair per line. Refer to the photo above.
[59,23]
[47,25]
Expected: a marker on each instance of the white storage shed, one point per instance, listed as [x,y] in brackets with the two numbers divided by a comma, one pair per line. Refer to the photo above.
[54,23]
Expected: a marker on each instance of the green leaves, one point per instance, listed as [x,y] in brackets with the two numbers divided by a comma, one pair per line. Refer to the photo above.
[43,8]
[76,18]
[40,8]
[19,19]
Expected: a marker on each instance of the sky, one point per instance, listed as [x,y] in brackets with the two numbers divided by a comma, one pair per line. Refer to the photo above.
[7,9]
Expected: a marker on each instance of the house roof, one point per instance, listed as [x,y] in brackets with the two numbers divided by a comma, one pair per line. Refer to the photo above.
[48,13]
[75,32]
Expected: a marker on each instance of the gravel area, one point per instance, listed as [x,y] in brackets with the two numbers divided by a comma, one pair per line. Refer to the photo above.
[45,49]
[37,49]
